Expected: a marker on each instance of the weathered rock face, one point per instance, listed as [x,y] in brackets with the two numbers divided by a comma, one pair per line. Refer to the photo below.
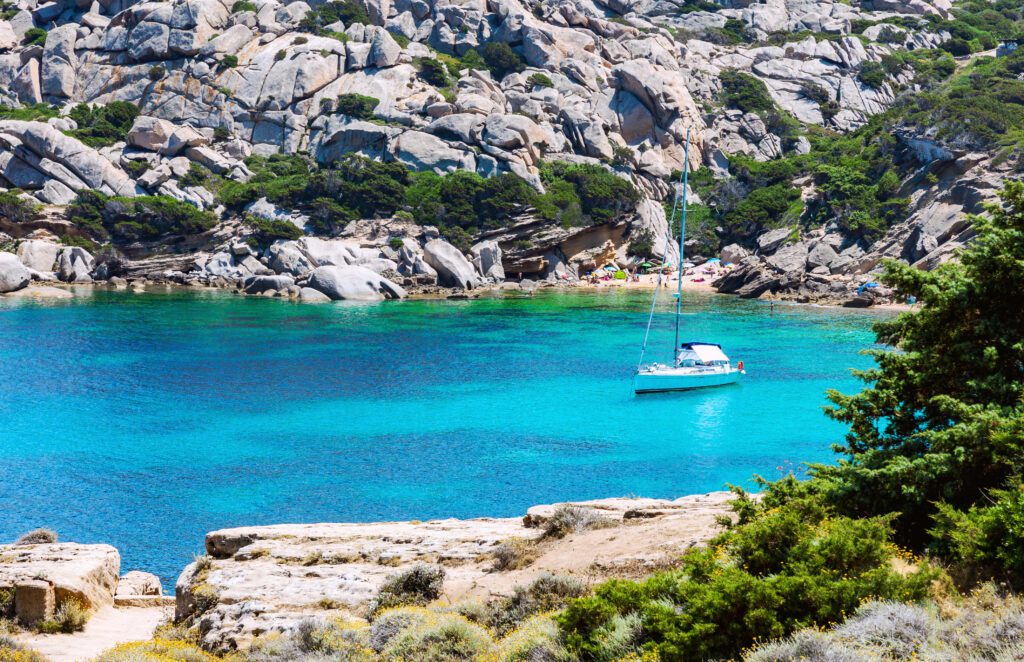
[38,255]
[44,576]
[269,578]
[453,269]
[353,283]
[13,274]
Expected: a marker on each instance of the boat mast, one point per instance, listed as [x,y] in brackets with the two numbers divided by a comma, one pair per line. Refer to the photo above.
[682,235]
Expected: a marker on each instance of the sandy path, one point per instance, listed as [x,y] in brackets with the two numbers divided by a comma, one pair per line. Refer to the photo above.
[106,629]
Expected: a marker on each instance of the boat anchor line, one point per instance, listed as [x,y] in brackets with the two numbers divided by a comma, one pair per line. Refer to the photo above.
[695,364]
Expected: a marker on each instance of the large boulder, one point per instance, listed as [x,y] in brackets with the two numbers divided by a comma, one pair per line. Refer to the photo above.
[157,135]
[88,573]
[261,284]
[38,255]
[487,260]
[13,274]
[75,265]
[453,269]
[287,257]
[353,283]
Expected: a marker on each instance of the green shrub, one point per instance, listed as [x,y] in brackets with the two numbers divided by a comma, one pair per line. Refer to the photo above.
[143,218]
[441,638]
[221,134]
[102,126]
[396,243]
[243,5]
[745,92]
[787,564]
[156,72]
[266,231]
[71,616]
[547,593]
[300,40]
[280,55]
[34,37]
[15,209]
[357,106]
[434,71]
[538,79]
[872,74]
[37,537]
[347,11]
[585,194]
[33,112]
[500,59]
[418,585]
[228,62]
[941,420]
[568,519]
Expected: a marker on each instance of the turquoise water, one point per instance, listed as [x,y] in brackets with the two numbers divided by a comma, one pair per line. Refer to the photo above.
[145,421]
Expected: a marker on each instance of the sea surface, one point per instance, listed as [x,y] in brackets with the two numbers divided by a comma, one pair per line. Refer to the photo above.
[145,421]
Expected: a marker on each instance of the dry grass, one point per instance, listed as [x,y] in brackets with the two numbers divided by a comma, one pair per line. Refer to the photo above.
[37,537]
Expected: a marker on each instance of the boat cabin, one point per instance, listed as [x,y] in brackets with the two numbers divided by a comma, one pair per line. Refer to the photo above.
[694,354]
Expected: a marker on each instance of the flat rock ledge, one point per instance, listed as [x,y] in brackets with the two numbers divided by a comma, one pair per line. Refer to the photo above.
[43,576]
[265,578]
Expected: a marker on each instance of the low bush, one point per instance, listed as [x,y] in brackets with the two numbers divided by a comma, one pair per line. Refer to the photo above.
[572,519]
[142,218]
[500,59]
[266,231]
[418,585]
[228,62]
[34,37]
[12,651]
[313,640]
[440,638]
[71,616]
[433,71]
[243,5]
[356,106]
[536,640]
[102,126]
[514,553]
[16,209]
[347,11]
[785,565]
[547,593]
[37,537]
[33,112]
[157,650]
[745,92]
[539,80]
[872,74]
[156,72]
[986,626]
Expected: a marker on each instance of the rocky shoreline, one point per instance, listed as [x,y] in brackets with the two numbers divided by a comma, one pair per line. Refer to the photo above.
[254,580]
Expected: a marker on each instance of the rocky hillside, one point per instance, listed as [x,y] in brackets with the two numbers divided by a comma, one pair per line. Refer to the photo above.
[357,148]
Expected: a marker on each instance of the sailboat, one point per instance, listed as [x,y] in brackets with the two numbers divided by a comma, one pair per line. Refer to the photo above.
[695,364]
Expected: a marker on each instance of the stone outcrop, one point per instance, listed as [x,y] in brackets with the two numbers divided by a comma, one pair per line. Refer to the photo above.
[44,576]
[269,578]
[13,274]
[353,283]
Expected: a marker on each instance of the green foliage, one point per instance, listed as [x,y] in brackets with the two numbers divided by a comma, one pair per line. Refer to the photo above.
[981,107]
[143,218]
[418,585]
[15,209]
[733,32]
[33,112]
[280,55]
[357,106]
[501,60]
[266,230]
[872,74]
[156,72]
[34,37]
[228,62]
[433,71]
[243,5]
[539,79]
[602,196]
[346,11]
[399,38]
[788,564]
[941,420]
[745,92]
[102,126]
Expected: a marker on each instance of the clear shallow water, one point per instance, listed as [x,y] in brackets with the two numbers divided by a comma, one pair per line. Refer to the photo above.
[145,421]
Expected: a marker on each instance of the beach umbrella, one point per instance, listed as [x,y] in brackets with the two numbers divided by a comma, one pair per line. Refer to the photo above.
[611,268]
[646,265]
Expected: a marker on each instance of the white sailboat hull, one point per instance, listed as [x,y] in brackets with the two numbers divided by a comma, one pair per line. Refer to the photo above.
[659,379]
